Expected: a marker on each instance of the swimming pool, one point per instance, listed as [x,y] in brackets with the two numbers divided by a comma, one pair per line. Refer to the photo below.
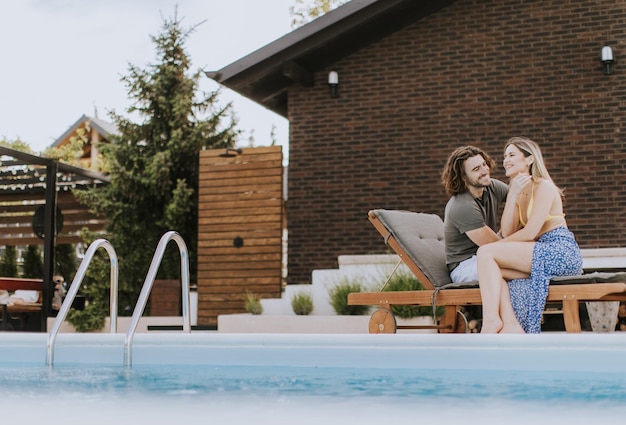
[315,379]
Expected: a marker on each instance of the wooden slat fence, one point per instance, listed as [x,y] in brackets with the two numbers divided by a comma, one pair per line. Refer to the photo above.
[16,219]
[240,228]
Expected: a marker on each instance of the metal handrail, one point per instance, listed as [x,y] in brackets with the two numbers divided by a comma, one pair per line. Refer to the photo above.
[147,287]
[75,286]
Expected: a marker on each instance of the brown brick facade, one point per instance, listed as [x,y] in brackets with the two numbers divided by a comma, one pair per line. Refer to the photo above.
[477,72]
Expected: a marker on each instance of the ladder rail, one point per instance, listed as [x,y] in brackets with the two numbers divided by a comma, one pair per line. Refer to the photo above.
[75,286]
[147,288]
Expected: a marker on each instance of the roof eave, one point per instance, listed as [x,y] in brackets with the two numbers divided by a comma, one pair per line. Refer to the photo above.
[265,75]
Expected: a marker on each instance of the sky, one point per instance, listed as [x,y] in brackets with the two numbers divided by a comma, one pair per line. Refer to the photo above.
[64,58]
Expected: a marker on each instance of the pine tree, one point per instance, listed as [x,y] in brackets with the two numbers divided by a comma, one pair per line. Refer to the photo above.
[33,262]
[65,261]
[8,263]
[154,168]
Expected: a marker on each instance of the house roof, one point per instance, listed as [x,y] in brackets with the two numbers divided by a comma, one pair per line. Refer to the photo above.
[104,128]
[265,74]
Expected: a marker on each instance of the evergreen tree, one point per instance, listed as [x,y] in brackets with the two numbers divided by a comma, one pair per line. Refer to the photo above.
[154,168]
[33,262]
[8,263]
[65,261]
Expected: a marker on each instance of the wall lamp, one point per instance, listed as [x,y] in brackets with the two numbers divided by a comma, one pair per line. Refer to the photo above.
[607,60]
[333,83]
[230,152]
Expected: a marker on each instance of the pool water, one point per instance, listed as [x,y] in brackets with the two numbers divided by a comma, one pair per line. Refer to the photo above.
[306,395]
[330,379]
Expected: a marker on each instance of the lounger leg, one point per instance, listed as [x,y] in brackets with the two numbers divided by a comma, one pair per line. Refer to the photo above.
[449,322]
[571,316]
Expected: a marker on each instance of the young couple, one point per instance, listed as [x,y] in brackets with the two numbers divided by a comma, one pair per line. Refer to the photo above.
[513,267]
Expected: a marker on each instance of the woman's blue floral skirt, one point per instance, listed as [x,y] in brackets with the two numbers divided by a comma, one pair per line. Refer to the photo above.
[556,253]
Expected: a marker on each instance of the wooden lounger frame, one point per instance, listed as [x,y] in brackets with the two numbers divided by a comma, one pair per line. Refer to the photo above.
[382,321]
[12,284]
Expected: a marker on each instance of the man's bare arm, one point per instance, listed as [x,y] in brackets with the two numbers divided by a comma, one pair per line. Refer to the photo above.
[482,235]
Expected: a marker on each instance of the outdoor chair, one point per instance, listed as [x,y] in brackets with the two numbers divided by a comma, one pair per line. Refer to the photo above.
[417,238]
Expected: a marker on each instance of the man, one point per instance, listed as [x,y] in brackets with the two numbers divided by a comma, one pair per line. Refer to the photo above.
[471,214]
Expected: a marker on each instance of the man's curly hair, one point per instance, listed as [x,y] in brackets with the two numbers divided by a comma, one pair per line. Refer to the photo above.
[453,174]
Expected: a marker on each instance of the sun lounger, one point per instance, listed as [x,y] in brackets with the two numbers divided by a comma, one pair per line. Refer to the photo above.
[17,307]
[417,238]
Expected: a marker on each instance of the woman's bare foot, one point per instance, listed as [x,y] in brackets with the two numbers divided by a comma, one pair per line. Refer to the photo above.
[512,328]
[491,326]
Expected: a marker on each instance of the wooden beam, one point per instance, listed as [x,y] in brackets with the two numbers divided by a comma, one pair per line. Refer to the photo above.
[297,73]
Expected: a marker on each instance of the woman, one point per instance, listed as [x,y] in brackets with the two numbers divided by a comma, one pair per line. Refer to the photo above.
[536,244]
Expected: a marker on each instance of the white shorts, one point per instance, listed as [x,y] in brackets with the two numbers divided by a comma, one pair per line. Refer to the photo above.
[466,271]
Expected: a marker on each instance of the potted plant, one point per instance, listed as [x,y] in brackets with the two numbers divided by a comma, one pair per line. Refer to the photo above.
[253,304]
[403,281]
[302,303]
[339,298]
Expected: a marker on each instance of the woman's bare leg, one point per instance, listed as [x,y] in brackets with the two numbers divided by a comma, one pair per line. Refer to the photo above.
[490,283]
[492,258]
[510,323]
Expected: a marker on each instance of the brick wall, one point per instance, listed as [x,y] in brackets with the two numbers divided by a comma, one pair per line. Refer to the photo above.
[477,72]
[166,298]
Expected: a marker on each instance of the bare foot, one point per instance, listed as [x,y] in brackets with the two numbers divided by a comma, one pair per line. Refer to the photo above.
[491,327]
[512,328]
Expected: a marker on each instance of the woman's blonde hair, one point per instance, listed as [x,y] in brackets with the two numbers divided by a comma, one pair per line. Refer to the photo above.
[538,166]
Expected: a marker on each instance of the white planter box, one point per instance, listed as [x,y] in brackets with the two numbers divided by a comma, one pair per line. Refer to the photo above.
[248,323]
[123,323]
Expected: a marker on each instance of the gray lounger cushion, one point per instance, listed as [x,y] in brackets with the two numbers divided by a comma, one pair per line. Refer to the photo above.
[421,236]
[595,277]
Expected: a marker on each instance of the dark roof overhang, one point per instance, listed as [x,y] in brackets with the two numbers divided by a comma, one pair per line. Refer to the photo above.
[265,74]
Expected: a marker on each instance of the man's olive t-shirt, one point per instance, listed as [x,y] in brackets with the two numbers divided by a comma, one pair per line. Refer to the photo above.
[464,213]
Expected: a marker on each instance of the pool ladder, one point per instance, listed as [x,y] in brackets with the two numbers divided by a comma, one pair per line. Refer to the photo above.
[143,296]
[147,287]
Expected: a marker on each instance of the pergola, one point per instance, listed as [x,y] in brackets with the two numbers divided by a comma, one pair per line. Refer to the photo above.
[38,207]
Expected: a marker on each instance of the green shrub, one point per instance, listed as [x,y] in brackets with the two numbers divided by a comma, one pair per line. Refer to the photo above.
[92,318]
[33,262]
[339,298]
[302,303]
[8,262]
[253,304]
[407,282]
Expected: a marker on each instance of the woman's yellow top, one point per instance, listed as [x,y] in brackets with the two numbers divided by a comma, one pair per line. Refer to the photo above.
[530,207]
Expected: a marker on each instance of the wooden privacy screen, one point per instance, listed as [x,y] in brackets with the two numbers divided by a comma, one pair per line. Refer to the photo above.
[16,218]
[240,227]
